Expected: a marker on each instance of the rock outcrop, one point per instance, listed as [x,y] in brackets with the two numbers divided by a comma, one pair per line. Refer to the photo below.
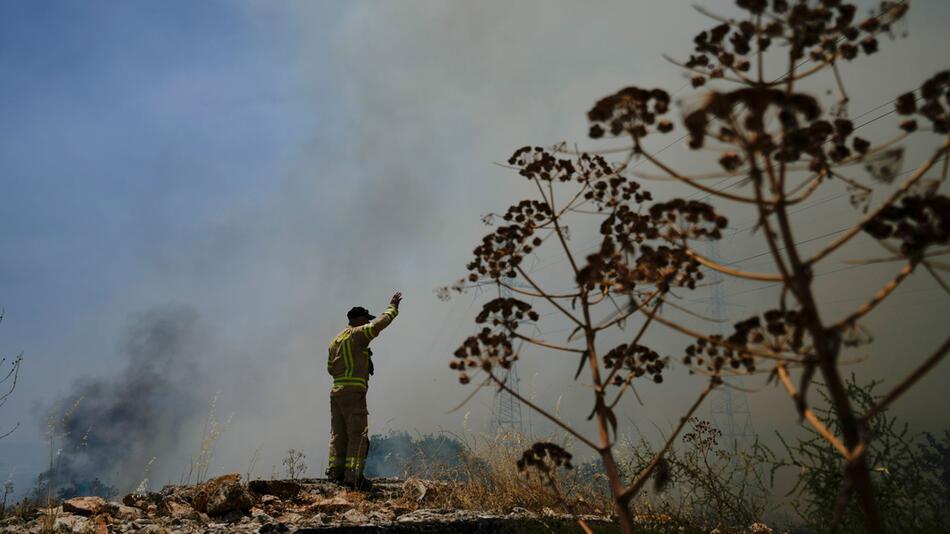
[226,504]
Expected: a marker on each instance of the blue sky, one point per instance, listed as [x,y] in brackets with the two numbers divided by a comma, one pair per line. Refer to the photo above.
[270,164]
[135,133]
[130,129]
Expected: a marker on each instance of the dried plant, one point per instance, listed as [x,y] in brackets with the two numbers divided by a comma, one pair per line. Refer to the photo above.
[7,490]
[486,474]
[200,466]
[252,464]
[8,383]
[57,434]
[294,464]
[780,146]
[700,486]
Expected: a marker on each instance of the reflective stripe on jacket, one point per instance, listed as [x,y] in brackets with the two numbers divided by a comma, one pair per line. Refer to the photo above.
[348,360]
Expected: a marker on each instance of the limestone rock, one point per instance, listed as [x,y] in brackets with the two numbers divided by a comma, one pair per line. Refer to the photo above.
[127,513]
[178,510]
[355,516]
[382,516]
[290,518]
[101,523]
[333,504]
[88,506]
[314,521]
[270,500]
[224,494]
[70,523]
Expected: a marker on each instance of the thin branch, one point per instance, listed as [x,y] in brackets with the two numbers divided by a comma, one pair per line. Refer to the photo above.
[856,159]
[603,151]
[520,291]
[704,176]
[697,185]
[632,311]
[761,277]
[743,80]
[570,205]
[12,375]
[471,395]
[810,185]
[544,412]
[12,430]
[851,181]
[936,276]
[557,226]
[545,296]
[859,158]
[644,475]
[600,298]
[769,234]
[804,74]
[628,383]
[687,311]
[542,343]
[844,94]
[844,238]
[710,14]
[905,384]
[722,343]
[809,414]
[635,341]
[877,299]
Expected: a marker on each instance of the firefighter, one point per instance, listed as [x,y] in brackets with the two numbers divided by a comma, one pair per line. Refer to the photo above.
[350,365]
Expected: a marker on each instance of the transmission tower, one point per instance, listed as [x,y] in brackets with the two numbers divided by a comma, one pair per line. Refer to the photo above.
[506,408]
[728,410]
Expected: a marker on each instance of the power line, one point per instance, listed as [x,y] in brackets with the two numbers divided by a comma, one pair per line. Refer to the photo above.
[803,208]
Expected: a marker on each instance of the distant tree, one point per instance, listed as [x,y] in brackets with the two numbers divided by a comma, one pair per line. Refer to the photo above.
[778,146]
[8,383]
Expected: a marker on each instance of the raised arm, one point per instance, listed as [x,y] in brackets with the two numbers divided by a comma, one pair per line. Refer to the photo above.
[373,328]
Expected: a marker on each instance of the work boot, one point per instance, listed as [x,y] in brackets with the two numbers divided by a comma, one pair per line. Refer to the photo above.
[363,484]
[335,476]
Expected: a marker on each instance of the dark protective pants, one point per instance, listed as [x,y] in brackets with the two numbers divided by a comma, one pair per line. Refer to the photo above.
[349,434]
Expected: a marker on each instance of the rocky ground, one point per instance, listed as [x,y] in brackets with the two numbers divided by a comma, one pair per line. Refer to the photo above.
[226,504]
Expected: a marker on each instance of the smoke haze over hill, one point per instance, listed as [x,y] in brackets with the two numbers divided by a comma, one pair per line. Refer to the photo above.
[248,171]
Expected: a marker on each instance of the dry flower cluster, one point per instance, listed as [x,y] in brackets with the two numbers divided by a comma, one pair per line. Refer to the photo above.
[782,145]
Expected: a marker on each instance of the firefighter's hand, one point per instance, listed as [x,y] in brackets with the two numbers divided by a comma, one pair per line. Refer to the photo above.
[397,298]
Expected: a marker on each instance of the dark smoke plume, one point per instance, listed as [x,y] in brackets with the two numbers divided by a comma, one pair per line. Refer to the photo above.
[108,429]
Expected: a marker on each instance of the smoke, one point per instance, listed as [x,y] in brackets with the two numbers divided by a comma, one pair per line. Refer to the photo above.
[388,118]
[110,428]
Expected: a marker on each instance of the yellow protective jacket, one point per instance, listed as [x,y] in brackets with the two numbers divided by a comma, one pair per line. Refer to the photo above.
[348,360]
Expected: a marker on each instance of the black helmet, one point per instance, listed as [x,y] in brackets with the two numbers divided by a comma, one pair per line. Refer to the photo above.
[358,311]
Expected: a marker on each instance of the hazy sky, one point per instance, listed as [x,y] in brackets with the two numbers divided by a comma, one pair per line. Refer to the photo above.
[267,165]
